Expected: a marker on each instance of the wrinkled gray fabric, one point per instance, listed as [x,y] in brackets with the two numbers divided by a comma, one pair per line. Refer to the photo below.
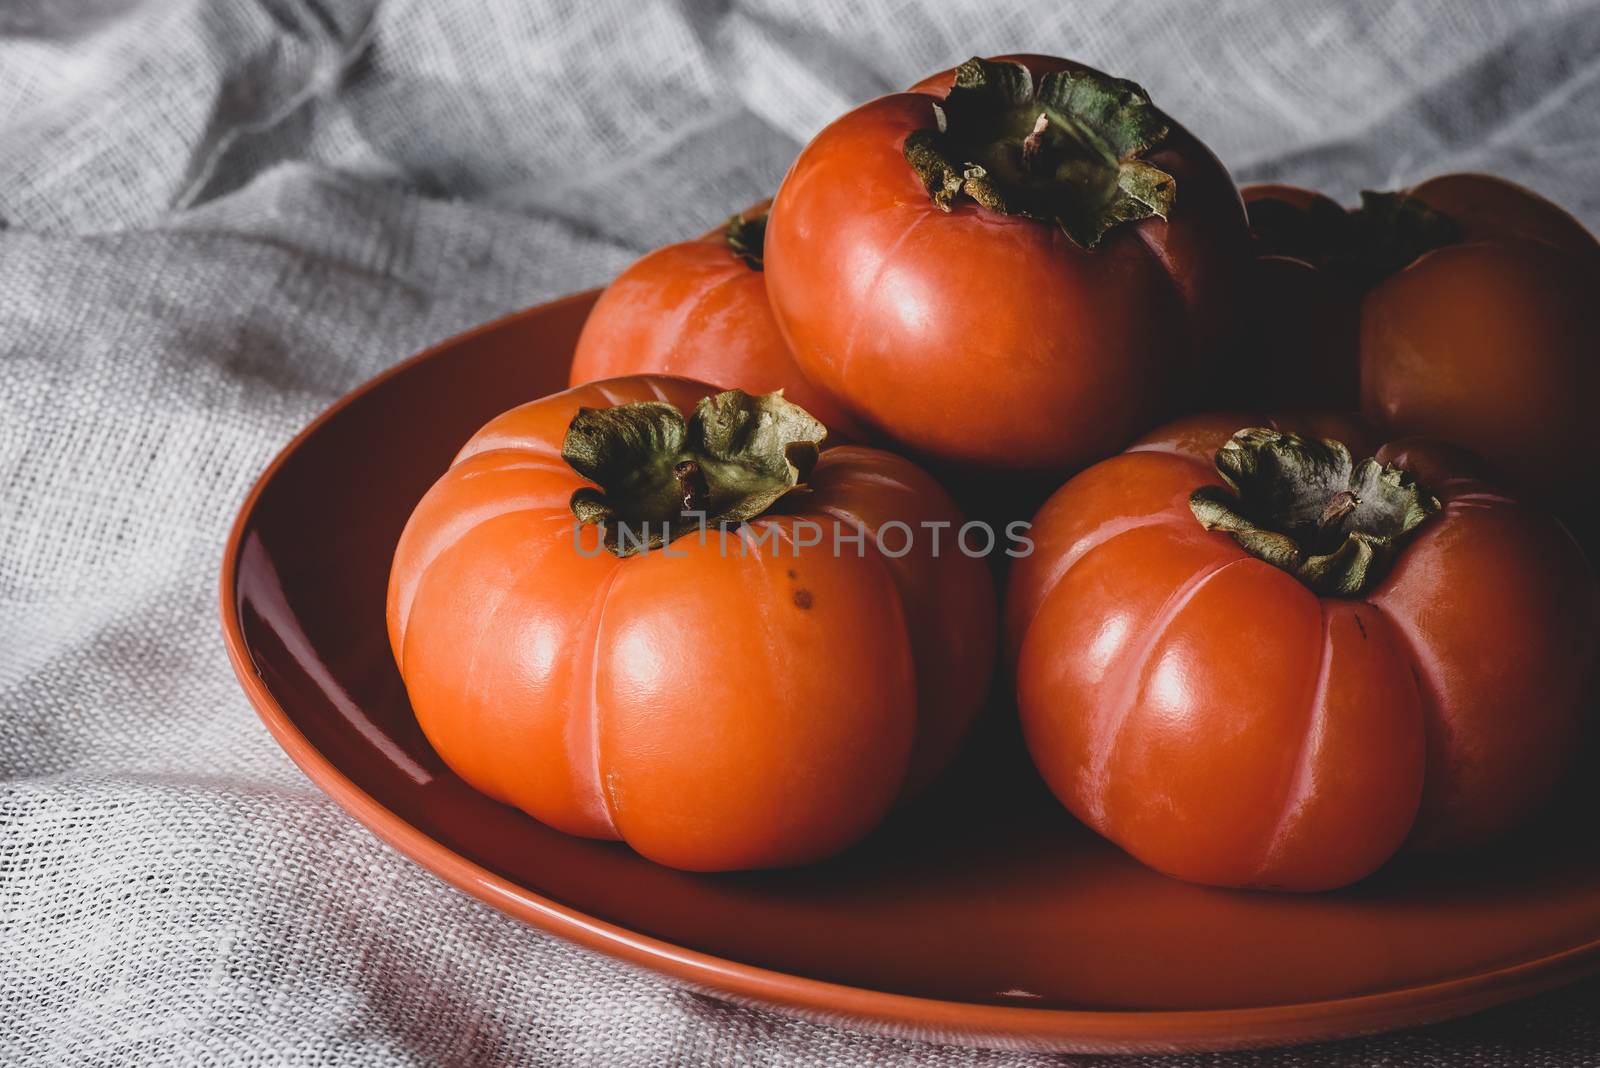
[219,215]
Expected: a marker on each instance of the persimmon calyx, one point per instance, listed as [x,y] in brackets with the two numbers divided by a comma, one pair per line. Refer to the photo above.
[1385,234]
[1067,151]
[658,476]
[1305,506]
[1391,230]
[747,238]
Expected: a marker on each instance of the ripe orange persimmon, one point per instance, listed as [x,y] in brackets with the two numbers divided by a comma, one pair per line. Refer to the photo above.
[1251,661]
[749,693]
[1016,265]
[1476,312]
[698,309]
[1492,340]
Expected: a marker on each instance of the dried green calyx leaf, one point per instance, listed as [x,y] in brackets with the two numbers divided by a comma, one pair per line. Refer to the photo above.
[660,476]
[1069,150]
[747,238]
[1384,235]
[1307,507]
[1390,230]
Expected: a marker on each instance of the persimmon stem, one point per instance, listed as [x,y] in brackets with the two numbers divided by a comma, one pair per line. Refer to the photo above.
[1033,145]
[692,484]
[1342,504]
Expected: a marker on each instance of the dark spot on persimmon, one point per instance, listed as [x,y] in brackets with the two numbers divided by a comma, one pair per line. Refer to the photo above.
[802,598]
[1362,627]
[791,573]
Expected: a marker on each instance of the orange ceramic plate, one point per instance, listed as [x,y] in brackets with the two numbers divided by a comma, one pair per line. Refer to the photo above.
[982,915]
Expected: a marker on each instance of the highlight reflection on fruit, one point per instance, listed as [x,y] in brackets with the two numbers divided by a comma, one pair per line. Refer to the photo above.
[1252,659]
[720,695]
[1252,651]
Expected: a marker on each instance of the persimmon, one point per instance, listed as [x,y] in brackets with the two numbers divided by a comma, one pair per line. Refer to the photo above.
[1477,321]
[1492,339]
[1016,265]
[698,309]
[645,610]
[1251,659]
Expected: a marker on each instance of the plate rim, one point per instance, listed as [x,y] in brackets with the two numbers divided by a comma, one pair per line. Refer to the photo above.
[902,1015]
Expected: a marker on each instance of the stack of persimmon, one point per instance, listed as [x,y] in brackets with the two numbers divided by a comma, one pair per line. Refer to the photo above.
[1305,597]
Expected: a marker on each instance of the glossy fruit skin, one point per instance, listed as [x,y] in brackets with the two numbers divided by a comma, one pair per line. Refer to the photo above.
[1223,724]
[714,710]
[984,340]
[1493,342]
[695,309]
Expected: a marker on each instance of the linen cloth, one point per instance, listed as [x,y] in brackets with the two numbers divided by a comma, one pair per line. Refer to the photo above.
[216,216]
